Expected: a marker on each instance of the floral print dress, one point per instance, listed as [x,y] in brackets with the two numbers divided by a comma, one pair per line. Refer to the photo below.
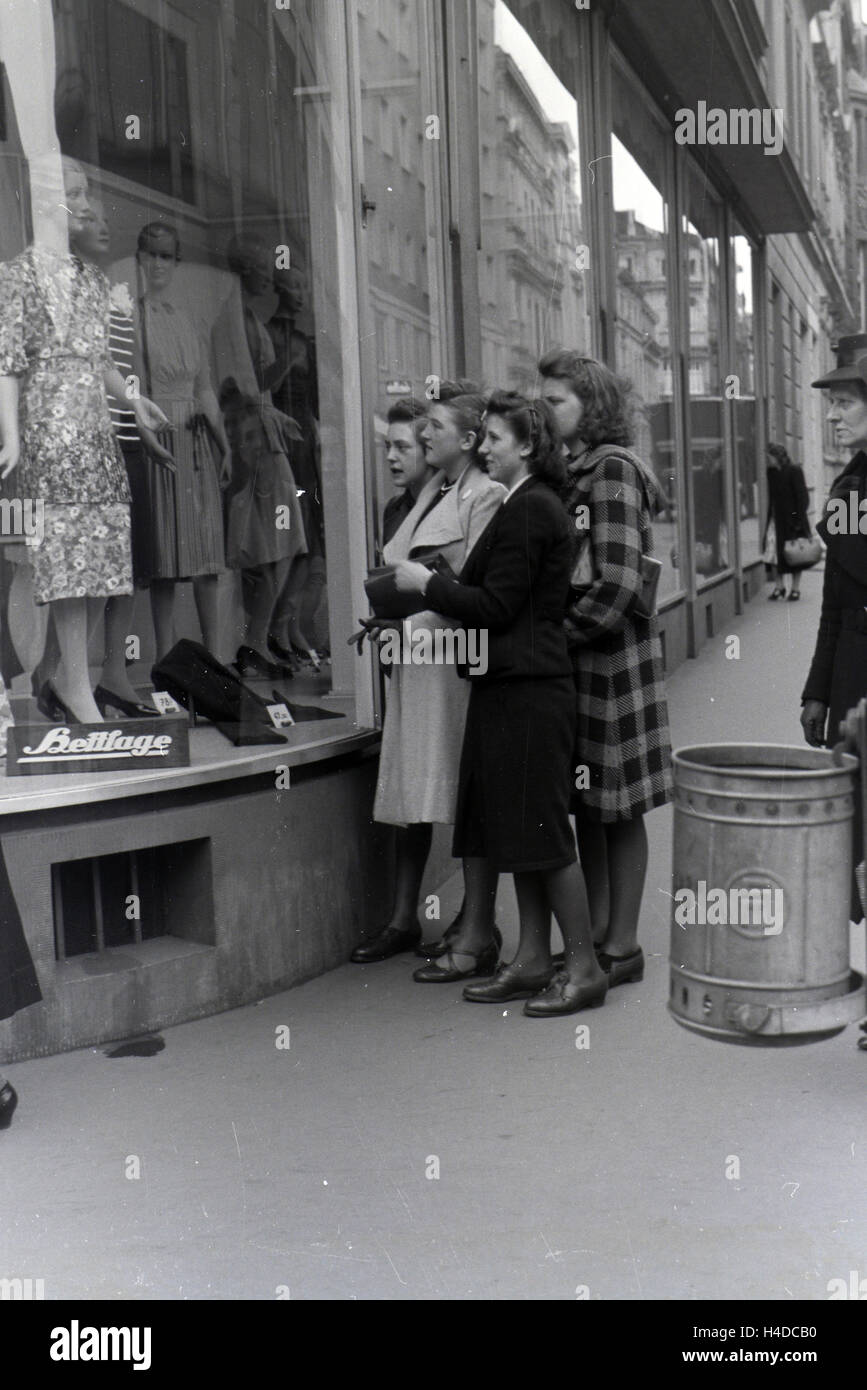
[54,326]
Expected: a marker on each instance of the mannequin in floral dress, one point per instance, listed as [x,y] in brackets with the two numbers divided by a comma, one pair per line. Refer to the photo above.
[55,370]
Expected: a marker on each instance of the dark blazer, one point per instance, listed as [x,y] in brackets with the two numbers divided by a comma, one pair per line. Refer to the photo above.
[838,673]
[395,512]
[515,584]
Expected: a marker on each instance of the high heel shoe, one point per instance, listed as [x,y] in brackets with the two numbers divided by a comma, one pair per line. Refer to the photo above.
[8,1102]
[247,659]
[135,709]
[448,973]
[50,704]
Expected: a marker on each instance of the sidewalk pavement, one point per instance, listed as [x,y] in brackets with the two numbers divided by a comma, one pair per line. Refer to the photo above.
[408,1145]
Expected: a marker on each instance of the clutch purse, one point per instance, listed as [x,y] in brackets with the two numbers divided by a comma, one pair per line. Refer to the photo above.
[651,569]
[387,601]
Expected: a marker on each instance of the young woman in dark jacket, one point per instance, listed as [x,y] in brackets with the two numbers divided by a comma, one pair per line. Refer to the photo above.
[515,777]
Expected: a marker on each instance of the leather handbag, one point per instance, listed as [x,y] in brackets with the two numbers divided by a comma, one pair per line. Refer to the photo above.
[802,553]
[387,601]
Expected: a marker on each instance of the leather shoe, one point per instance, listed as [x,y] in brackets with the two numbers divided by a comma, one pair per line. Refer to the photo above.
[564,997]
[434,949]
[622,970]
[391,941]
[448,973]
[8,1102]
[510,982]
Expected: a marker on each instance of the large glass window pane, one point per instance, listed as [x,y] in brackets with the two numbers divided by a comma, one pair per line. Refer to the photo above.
[204,143]
[535,258]
[403,137]
[702,247]
[643,328]
[745,440]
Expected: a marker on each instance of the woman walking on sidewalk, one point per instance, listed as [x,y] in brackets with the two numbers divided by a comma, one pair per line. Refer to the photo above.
[622,757]
[788,500]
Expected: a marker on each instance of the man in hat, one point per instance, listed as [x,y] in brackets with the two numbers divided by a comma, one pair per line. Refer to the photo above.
[837,678]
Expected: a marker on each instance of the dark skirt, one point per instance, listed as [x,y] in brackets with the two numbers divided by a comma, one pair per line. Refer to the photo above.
[19,986]
[516,774]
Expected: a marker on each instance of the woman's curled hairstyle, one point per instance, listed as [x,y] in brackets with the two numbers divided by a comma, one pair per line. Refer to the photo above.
[607,399]
[532,422]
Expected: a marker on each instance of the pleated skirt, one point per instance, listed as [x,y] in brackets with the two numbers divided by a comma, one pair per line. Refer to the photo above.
[177,517]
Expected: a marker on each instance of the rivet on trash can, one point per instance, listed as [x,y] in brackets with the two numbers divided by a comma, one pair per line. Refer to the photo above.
[829,806]
[740,808]
[707,1004]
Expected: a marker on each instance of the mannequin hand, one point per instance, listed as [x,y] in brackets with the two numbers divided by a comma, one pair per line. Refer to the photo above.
[813,717]
[9,456]
[149,415]
[155,449]
[411,577]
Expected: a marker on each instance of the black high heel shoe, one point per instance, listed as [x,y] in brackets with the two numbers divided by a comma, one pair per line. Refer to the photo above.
[448,973]
[247,660]
[50,704]
[134,709]
[8,1102]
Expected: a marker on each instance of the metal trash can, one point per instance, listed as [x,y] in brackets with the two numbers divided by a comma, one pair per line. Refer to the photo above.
[762,865]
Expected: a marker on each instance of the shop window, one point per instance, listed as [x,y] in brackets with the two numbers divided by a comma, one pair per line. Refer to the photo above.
[701,231]
[643,326]
[529,124]
[748,456]
[117,900]
[226,124]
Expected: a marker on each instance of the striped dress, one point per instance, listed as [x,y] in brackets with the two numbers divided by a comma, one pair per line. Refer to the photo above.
[622,733]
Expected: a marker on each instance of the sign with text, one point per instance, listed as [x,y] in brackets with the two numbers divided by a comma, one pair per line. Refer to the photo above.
[44,749]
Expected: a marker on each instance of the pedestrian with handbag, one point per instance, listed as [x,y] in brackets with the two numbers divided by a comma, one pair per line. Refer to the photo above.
[622,758]
[788,544]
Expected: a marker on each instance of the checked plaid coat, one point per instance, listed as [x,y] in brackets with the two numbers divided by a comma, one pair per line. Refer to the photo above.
[622,716]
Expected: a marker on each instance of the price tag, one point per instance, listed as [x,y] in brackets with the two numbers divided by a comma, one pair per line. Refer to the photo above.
[281,717]
[164,703]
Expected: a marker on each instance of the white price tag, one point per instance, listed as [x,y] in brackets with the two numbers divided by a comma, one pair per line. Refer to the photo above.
[280,716]
[164,703]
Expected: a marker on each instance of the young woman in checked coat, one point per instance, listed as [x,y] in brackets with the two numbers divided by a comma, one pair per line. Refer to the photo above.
[622,736]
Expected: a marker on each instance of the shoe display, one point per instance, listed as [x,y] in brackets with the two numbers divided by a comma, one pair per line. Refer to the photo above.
[135,709]
[510,982]
[8,1102]
[249,662]
[391,941]
[564,997]
[448,973]
[622,970]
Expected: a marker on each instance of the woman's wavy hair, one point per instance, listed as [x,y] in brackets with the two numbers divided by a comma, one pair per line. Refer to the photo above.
[533,423]
[466,404]
[607,399]
[777,452]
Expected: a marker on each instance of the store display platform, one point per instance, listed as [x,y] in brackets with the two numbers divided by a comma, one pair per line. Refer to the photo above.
[153,896]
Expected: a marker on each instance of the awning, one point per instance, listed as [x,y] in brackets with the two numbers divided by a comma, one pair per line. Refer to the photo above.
[699,55]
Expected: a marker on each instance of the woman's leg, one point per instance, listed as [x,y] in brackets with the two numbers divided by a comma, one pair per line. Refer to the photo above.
[262,601]
[72,679]
[208,608]
[477,923]
[118,622]
[565,891]
[534,943]
[163,613]
[593,854]
[627,869]
[413,848]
